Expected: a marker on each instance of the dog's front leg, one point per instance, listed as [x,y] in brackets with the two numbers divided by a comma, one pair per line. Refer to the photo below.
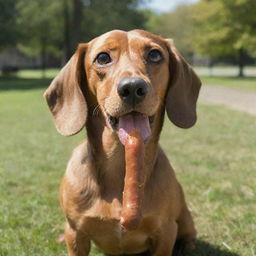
[164,240]
[78,244]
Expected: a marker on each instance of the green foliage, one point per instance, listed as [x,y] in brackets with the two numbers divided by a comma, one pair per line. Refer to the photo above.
[9,32]
[102,16]
[41,26]
[242,19]
[177,25]
[210,28]
[224,27]
[41,23]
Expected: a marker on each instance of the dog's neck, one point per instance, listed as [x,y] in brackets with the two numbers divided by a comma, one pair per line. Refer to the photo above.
[105,143]
[108,152]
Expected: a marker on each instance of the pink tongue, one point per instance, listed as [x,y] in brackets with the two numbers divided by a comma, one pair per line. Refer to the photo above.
[131,122]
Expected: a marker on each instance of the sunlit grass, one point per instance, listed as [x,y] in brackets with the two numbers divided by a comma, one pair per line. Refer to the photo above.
[215,162]
[242,83]
[37,73]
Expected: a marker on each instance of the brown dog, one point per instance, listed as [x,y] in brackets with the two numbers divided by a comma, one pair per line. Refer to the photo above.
[118,82]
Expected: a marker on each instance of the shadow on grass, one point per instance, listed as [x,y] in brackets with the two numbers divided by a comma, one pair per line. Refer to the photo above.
[206,249]
[202,249]
[23,83]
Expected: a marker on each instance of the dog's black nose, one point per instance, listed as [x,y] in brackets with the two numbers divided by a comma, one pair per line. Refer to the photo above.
[132,90]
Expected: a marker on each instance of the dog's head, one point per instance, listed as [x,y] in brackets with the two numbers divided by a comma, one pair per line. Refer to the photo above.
[129,75]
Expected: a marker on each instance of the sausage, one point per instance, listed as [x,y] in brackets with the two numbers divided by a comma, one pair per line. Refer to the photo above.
[134,181]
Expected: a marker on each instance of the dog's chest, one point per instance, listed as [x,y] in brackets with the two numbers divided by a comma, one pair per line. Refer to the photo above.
[111,238]
[103,226]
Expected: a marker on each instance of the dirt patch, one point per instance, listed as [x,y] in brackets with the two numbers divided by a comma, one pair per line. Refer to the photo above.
[232,98]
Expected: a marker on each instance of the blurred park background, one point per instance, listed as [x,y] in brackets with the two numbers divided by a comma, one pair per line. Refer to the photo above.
[41,34]
[215,161]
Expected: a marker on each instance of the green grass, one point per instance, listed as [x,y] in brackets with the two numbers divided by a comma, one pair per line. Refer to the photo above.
[29,78]
[215,162]
[28,73]
[244,83]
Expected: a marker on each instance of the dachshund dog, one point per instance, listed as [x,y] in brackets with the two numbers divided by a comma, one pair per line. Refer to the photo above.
[118,86]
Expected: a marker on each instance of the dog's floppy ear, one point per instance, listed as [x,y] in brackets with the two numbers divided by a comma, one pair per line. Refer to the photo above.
[184,86]
[65,97]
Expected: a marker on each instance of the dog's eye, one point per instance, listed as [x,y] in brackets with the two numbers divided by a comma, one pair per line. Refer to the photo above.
[155,56]
[103,58]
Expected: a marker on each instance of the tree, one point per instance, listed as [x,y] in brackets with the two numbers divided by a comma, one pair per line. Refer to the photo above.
[8,23]
[72,19]
[177,25]
[225,27]
[56,27]
[242,15]
[66,31]
[102,16]
[41,28]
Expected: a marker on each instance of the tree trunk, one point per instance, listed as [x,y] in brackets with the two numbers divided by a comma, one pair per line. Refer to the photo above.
[43,56]
[241,62]
[210,66]
[67,36]
[76,24]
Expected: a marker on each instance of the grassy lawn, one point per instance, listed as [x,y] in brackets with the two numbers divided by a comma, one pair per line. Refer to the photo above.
[245,83]
[28,73]
[215,162]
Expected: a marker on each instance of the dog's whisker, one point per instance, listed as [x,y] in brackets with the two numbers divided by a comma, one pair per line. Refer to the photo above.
[96,110]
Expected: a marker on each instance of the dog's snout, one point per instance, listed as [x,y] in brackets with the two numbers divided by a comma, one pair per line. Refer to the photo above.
[132,90]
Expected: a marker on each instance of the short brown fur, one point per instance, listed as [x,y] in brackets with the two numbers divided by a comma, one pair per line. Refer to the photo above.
[91,189]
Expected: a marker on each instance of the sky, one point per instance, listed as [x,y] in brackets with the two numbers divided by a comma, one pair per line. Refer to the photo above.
[166,5]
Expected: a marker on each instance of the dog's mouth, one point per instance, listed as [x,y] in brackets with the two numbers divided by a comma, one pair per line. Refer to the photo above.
[129,122]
